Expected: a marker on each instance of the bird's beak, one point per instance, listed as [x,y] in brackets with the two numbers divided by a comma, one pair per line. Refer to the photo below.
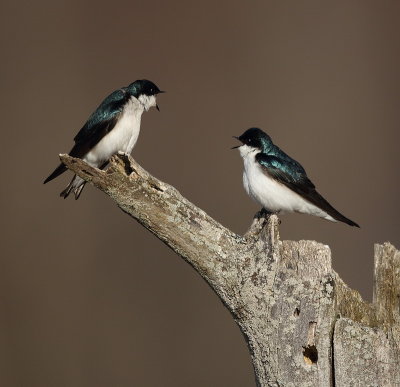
[159,92]
[234,147]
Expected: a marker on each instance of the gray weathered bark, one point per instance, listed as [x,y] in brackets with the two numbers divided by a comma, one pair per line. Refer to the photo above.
[304,326]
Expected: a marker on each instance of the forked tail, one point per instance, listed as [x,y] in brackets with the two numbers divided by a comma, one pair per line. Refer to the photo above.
[57,172]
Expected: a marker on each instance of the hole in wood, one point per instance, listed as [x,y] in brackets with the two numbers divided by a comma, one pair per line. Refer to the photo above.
[156,187]
[310,354]
[87,172]
[127,166]
[296,312]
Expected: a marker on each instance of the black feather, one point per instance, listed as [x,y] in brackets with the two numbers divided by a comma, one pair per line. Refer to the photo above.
[291,174]
[57,172]
[100,123]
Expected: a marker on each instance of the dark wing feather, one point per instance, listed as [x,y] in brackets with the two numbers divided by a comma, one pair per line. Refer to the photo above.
[101,122]
[98,130]
[291,174]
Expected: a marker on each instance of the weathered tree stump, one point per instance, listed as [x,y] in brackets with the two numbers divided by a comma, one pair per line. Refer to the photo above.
[304,326]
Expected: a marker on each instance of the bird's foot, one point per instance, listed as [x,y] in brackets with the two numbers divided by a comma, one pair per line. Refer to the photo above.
[124,157]
[263,214]
[122,153]
[260,221]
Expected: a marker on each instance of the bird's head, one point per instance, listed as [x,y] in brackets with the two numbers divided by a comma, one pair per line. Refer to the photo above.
[253,140]
[145,91]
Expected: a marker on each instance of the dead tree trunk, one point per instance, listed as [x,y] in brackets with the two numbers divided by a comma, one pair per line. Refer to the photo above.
[304,326]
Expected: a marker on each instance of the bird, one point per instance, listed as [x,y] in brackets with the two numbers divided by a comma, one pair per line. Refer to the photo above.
[278,182]
[113,127]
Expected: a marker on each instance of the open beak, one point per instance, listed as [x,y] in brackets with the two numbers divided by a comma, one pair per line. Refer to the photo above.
[234,147]
[159,92]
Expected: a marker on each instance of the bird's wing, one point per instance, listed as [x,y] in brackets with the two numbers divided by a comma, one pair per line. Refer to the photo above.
[286,170]
[101,122]
[291,174]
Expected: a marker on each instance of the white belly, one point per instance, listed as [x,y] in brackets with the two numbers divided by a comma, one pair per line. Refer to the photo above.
[274,196]
[122,137]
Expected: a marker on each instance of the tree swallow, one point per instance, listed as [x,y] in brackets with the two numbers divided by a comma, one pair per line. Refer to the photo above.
[279,183]
[114,126]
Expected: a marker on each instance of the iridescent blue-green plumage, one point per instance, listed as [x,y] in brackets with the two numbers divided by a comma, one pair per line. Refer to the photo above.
[104,118]
[100,122]
[274,158]
[277,164]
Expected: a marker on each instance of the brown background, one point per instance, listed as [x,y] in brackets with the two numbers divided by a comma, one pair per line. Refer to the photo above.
[90,298]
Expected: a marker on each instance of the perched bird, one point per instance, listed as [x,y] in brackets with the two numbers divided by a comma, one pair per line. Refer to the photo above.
[279,183]
[114,126]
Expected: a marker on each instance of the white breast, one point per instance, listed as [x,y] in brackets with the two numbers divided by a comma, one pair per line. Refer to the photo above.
[122,137]
[273,196]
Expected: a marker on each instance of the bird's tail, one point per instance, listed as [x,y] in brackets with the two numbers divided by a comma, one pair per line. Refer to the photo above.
[341,218]
[332,212]
[76,186]
[315,198]
[57,172]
